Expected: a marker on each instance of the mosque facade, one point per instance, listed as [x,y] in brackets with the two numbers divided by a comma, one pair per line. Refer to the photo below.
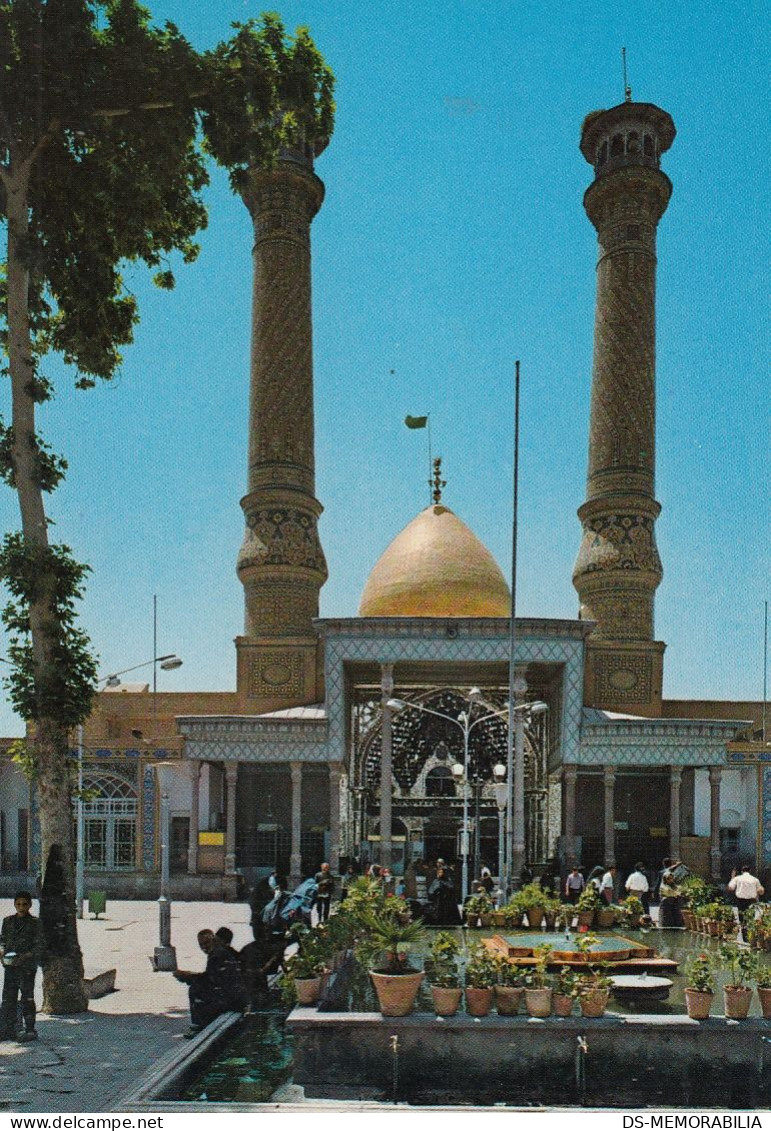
[343,737]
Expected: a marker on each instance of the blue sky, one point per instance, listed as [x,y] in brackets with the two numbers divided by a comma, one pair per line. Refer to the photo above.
[452,241]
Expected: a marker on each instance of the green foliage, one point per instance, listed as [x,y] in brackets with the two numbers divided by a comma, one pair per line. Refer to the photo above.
[536,976]
[481,969]
[695,891]
[509,974]
[700,973]
[267,92]
[65,688]
[632,906]
[763,976]
[389,936]
[478,904]
[567,982]
[532,895]
[589,899]
[740,963]
[442,962]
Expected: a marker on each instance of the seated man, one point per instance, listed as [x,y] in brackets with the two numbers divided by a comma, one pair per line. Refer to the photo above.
[219,989]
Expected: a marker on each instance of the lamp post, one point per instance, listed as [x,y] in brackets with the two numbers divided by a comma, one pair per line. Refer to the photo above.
[501,790]
[164,955]
[516,855]
[466,724]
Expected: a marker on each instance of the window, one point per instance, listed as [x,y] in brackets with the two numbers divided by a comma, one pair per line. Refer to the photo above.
[439,782]
[110,824]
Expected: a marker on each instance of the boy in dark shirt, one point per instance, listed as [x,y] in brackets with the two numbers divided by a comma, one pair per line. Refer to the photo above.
[21,948]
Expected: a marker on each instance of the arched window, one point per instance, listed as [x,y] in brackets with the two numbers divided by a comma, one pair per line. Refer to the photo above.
[439,782]
[647,145]
[617,146]
[110,820]
[633,143]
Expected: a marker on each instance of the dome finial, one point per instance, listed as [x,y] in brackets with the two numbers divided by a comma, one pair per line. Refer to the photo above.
[436,482]
[627,87]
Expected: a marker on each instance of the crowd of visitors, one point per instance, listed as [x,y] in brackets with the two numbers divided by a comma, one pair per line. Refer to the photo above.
[239,980]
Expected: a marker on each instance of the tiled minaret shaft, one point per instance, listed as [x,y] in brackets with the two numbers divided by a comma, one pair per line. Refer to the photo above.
[618,567]
[281,564]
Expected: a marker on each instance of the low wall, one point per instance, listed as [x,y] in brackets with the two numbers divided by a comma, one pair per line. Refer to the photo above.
[635,1061]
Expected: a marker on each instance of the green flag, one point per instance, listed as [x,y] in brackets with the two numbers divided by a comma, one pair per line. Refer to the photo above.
[416,421]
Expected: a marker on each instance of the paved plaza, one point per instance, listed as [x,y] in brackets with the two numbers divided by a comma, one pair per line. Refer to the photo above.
[87,1061]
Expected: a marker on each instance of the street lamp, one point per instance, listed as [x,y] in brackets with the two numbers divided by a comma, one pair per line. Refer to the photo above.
[466,724]
[515,773]
[501,790]
[164,955]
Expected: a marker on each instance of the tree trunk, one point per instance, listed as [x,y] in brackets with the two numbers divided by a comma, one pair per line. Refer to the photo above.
[63,972]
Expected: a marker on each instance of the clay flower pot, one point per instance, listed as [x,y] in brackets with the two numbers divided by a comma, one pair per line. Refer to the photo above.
[538,1002]
[486,920]
[764,993]
[593,1004]
[585,918]
[446,1000]
[507,999]
[698,1003]
[535,916]
[396,993]
[478,1002]
[737,1002]
[606,917]
[308,990]
[563,1005]
[499,919]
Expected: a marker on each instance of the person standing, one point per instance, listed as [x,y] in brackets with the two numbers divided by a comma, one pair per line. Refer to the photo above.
[669,902]
[574,885]
[21,945]
[325,886]
[608,885]
[746,887]
[637,884]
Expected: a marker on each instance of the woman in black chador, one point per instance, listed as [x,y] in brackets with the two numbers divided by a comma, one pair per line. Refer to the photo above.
[53,903]
[441,892]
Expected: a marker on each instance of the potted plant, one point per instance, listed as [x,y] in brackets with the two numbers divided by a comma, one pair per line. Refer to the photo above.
[633,910]
[533,899]
[726,920]
[552,910]
[593,988]
[443,975]
[737,993]
[509,988]
[396,982]
[589,903]
[513,912]
[537,988]
[478,906]
[565,991]
[699,986]
[304,972]
[481,974]
[763,982]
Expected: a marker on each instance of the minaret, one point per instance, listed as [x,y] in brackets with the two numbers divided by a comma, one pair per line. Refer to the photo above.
[281,564]
[618,567]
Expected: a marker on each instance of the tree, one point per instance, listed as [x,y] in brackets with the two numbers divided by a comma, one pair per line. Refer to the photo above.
[101,164]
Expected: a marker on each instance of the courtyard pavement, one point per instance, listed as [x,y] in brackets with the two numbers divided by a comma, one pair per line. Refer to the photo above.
[86,1062]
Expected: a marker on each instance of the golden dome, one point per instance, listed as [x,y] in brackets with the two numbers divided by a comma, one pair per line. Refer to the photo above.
[436,567]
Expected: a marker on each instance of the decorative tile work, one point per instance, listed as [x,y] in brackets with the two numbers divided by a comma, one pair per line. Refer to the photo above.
[655,742]
[148,819]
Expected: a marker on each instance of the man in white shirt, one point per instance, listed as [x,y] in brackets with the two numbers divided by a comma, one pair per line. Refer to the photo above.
[607,887]
[637,884]
[746,888]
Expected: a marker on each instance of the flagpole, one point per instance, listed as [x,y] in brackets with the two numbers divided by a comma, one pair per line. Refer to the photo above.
[511,882]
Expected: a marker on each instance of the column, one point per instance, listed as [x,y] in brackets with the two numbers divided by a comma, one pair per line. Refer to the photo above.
[675,778]
[570,777]
[231,777]
[618,567]
[609,780]
[194,767]
[335,769]
[386,764]
[295,852]
[714,820]
[281,563]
